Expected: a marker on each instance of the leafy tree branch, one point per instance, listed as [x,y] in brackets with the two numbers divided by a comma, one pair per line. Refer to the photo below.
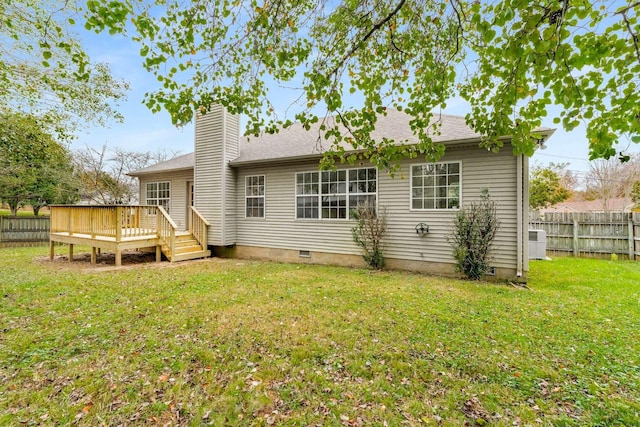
[45,71]
[510,60]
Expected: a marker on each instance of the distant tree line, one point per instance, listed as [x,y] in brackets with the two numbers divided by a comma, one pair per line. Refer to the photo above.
[36,170]
[605,180]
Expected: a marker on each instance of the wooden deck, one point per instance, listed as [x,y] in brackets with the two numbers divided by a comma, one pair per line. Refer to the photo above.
[118,228]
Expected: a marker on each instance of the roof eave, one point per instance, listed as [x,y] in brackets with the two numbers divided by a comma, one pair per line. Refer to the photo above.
[142,173]
[283,160]
[317,156]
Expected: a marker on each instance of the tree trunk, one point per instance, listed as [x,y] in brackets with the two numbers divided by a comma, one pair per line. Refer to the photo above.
[36,210]
[14,208]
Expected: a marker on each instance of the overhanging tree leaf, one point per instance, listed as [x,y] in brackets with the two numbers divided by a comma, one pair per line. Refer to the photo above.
[510,60]
[44,71]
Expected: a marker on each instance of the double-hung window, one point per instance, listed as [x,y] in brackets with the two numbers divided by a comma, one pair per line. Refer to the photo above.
[159,194]
[363,187]
[334,194]
[307,191]
[435,186]
[254,196]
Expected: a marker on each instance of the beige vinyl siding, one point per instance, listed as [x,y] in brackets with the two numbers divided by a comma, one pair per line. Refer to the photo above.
[479,169]
[232,151]
[178,193]
[216,142]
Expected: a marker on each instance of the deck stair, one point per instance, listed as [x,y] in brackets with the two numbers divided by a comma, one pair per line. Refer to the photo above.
[186,248]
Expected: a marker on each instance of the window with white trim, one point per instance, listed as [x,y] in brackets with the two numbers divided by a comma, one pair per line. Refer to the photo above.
[363,187]
[334,194]
[254,196]
[435,186]
[307,191]
[159,194]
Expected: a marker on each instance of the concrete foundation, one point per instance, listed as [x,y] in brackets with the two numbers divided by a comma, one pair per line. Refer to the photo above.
[348,260]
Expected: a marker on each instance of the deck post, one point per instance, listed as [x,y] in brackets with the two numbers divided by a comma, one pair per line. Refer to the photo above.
[118,223]
[204,231]
[70,252]
[52,251]
[173,242]
[70,220]
[93,255]
[158,224]
[118,257]
[158,253]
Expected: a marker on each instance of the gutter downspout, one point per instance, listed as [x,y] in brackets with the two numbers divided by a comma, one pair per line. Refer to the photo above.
[223,178]
[519,214]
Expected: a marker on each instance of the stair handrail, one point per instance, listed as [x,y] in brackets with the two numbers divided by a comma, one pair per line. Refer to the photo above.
[166,229]
[199,227]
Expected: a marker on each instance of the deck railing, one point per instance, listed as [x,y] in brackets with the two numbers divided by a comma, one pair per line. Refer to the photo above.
[166,229]
[117,221]
[198,227]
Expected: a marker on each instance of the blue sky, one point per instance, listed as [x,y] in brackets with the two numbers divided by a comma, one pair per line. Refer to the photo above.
[141,130]
[144,131]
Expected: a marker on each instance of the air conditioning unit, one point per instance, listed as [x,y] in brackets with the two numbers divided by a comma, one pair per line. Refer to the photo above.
[537,244]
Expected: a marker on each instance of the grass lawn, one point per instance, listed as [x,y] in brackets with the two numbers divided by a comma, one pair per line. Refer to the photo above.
[228,342]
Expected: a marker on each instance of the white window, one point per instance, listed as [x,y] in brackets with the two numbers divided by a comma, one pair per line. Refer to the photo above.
[334,194]
[363,188]
[307,190]
[159,194]
[254,196]
[435,186]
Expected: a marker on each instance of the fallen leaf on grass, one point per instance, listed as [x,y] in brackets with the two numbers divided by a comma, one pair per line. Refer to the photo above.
[473,409]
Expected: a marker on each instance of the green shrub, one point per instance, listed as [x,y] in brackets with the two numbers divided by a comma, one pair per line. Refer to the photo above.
[474,229]
[369,233]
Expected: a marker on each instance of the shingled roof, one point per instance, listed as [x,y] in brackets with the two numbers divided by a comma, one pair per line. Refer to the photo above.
[186,161]
[296,143]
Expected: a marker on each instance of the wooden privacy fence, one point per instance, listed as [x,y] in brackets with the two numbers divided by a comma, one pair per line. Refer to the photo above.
[23,231]
[591,234]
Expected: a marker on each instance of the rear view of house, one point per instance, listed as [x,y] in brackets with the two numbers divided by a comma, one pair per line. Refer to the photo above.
[265,198]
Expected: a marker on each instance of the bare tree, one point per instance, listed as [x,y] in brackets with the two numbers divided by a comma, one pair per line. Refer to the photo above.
[568,178]
[609,179]
[103,172]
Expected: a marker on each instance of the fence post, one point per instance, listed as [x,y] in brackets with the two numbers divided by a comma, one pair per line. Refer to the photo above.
[636,250]
[632,245]
[576,236]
